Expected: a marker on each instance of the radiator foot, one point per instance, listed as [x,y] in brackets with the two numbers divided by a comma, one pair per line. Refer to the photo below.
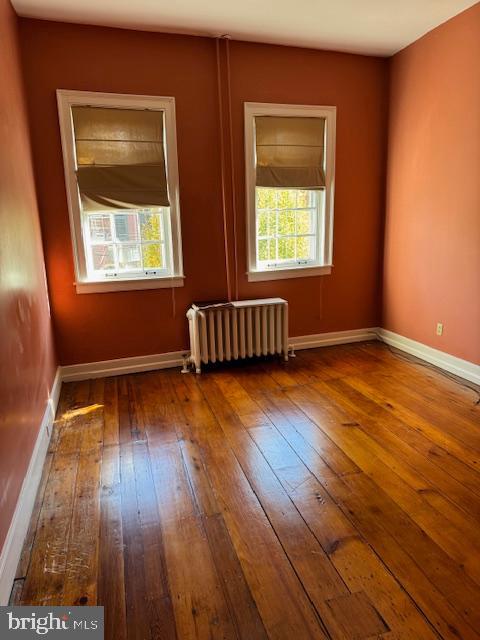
[186,362]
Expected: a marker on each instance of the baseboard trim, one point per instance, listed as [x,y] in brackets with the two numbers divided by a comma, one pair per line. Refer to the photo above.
[462,368]
[121,366]
[17,531]
[335,337]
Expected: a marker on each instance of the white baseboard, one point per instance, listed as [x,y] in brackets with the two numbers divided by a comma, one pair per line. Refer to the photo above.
[138,364]
[335,337]
[462,368]
[17,531]
[120,366]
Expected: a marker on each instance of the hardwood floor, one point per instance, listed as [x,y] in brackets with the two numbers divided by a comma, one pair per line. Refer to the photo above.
[336,496]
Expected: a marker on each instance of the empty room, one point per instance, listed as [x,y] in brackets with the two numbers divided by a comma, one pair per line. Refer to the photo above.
[240,320]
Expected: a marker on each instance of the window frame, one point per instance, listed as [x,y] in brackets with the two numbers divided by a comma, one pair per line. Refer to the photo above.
[253,109]
[66,99]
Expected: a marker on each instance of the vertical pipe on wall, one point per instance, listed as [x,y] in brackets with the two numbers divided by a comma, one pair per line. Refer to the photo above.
[174,303]
[232,162]
[222,167]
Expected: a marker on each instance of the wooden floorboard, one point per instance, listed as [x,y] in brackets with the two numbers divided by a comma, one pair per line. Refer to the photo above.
[336,496]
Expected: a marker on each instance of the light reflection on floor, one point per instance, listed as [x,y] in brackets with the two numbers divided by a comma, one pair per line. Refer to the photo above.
[81,411]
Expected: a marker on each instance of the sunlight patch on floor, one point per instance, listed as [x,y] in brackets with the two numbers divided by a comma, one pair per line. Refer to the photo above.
[81,411]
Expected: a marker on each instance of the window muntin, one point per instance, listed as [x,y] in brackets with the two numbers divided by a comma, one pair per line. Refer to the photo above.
[111,249]
[288,235]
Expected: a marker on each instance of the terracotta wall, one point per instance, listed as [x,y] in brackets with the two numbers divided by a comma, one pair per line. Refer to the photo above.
[26,353]
[112,325]
[432,245]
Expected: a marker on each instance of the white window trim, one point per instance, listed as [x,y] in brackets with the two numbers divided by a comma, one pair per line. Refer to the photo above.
[65,100]
[253,109]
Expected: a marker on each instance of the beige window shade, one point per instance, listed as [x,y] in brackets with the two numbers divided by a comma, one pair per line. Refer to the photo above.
[290,152]
[120,158]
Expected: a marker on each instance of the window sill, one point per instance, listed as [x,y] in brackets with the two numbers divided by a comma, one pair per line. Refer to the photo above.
[129,285]
[284,274]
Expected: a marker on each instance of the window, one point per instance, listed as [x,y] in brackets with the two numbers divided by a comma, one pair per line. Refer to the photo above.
[290,158]
[122,186]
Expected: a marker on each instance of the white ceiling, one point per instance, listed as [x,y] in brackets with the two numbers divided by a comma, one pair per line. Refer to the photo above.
[377,27]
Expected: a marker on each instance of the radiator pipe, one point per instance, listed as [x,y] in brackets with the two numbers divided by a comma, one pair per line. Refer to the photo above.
[232,163]
[222,167]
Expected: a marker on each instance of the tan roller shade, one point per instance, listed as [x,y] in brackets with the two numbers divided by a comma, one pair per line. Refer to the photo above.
[120,158]
[290,152]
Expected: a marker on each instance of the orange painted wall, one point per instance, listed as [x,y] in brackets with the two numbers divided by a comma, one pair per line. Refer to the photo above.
[432,244]
[26,352]
[112,325]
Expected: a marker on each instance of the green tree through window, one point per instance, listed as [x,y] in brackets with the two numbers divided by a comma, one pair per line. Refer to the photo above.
[286,224]
[151,230]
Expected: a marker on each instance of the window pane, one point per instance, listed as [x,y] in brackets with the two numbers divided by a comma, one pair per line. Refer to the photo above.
[262,223]
[286,198]
[305,248]
[100,228]
[272,223]
[150,226]
[266,198]
[103,257]
[152,256]
[129,256]
[266,223]
[266,250]
[304,222]
[305,198]
[126,227]
[286,223]
[286,249]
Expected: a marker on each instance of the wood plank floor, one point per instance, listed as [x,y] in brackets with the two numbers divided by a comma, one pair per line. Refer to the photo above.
[334,496]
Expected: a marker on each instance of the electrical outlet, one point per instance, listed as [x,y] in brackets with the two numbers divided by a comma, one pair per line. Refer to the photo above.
[439,328]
